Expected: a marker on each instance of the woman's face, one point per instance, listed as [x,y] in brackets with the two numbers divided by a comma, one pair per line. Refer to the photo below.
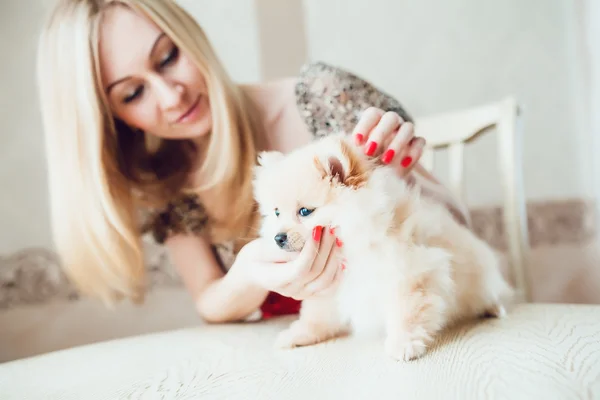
[151,85]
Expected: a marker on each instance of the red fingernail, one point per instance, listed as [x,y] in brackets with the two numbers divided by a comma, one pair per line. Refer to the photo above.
[338,242]
[317,233]
[332,230]
[406,161]
[359,138]
[371,149]
[343,267]
[387,157]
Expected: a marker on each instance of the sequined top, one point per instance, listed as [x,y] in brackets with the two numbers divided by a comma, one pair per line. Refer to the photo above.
[329,99]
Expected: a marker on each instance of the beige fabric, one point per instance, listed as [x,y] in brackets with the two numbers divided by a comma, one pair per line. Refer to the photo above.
[27,331]
[537,352]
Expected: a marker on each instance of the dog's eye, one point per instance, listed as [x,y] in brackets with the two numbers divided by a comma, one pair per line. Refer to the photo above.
[277,212]
[304,212]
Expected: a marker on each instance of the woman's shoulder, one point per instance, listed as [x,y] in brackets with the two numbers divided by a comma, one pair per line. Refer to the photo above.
[331,98]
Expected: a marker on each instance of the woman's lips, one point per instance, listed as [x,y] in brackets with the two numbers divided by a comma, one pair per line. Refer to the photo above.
[192,113]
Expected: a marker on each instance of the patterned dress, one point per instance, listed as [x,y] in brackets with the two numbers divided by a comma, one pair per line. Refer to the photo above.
[329,99]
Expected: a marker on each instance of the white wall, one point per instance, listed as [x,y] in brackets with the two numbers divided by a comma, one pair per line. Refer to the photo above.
[23,205]
[232,28]
[440,55]
[590,14]
[282,37]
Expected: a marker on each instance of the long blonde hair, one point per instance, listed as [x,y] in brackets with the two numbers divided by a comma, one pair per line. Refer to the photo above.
[98,169]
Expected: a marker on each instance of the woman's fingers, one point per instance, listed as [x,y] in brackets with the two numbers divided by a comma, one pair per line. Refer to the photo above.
[399,146]
[265,251]
[412,156]
[311,262]
[339,271]
[324,251]
[326,278]
[386,134]
[368,120]
[285,278]
[386,128]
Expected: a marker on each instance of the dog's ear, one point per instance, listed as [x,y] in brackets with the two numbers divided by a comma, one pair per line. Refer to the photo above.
[342,166]
[266,158]
[336,169]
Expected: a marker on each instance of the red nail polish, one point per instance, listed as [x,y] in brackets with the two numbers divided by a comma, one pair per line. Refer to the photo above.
[332,230]
[371,149]
[343,267]
[406,161]
[359,138]
[338,242]
[388,156]
[317,233]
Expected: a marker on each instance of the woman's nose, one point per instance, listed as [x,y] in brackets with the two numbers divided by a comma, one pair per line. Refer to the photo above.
[169,94]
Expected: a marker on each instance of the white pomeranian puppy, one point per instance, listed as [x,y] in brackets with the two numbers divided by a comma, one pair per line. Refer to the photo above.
[411,269]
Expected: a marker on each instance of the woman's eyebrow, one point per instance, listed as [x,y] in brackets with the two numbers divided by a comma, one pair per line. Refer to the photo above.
[113,84]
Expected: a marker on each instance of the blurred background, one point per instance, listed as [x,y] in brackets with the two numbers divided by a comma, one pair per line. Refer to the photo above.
[434,56]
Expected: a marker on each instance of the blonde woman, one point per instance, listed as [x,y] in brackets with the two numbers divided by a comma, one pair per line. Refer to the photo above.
[146,132]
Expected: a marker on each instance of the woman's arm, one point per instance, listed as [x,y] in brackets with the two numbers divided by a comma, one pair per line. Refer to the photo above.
[219,297]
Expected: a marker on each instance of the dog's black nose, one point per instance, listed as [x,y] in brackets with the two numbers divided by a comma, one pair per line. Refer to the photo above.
[281,239]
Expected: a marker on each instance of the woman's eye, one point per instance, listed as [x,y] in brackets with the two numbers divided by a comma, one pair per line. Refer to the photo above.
[136,93]
[305,212]
[172,56]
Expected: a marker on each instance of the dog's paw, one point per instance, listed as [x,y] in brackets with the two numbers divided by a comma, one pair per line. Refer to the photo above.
[405,350]
[286,339]
[495,311]
[295,336]
[301,333]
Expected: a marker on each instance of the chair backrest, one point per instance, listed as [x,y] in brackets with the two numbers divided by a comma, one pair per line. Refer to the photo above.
[453,131]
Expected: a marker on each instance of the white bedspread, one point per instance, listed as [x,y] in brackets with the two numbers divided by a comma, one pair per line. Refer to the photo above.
[537,352]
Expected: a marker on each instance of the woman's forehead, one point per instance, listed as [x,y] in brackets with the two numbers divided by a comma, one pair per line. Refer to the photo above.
[126,39]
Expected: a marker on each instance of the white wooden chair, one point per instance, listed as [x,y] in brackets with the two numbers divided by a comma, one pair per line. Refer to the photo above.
[452,131]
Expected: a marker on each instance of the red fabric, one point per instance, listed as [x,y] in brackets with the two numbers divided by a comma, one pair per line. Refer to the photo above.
[277,305]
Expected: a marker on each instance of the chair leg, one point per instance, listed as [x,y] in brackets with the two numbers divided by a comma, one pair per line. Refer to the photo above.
[515,212]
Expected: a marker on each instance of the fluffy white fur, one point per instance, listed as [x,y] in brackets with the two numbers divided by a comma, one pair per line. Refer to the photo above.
[411,269]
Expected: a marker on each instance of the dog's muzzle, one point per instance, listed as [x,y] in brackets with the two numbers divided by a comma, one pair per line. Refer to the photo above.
[289,242]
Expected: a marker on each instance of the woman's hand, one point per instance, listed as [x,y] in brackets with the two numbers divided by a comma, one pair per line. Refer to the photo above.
[387,135]
[312,271]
